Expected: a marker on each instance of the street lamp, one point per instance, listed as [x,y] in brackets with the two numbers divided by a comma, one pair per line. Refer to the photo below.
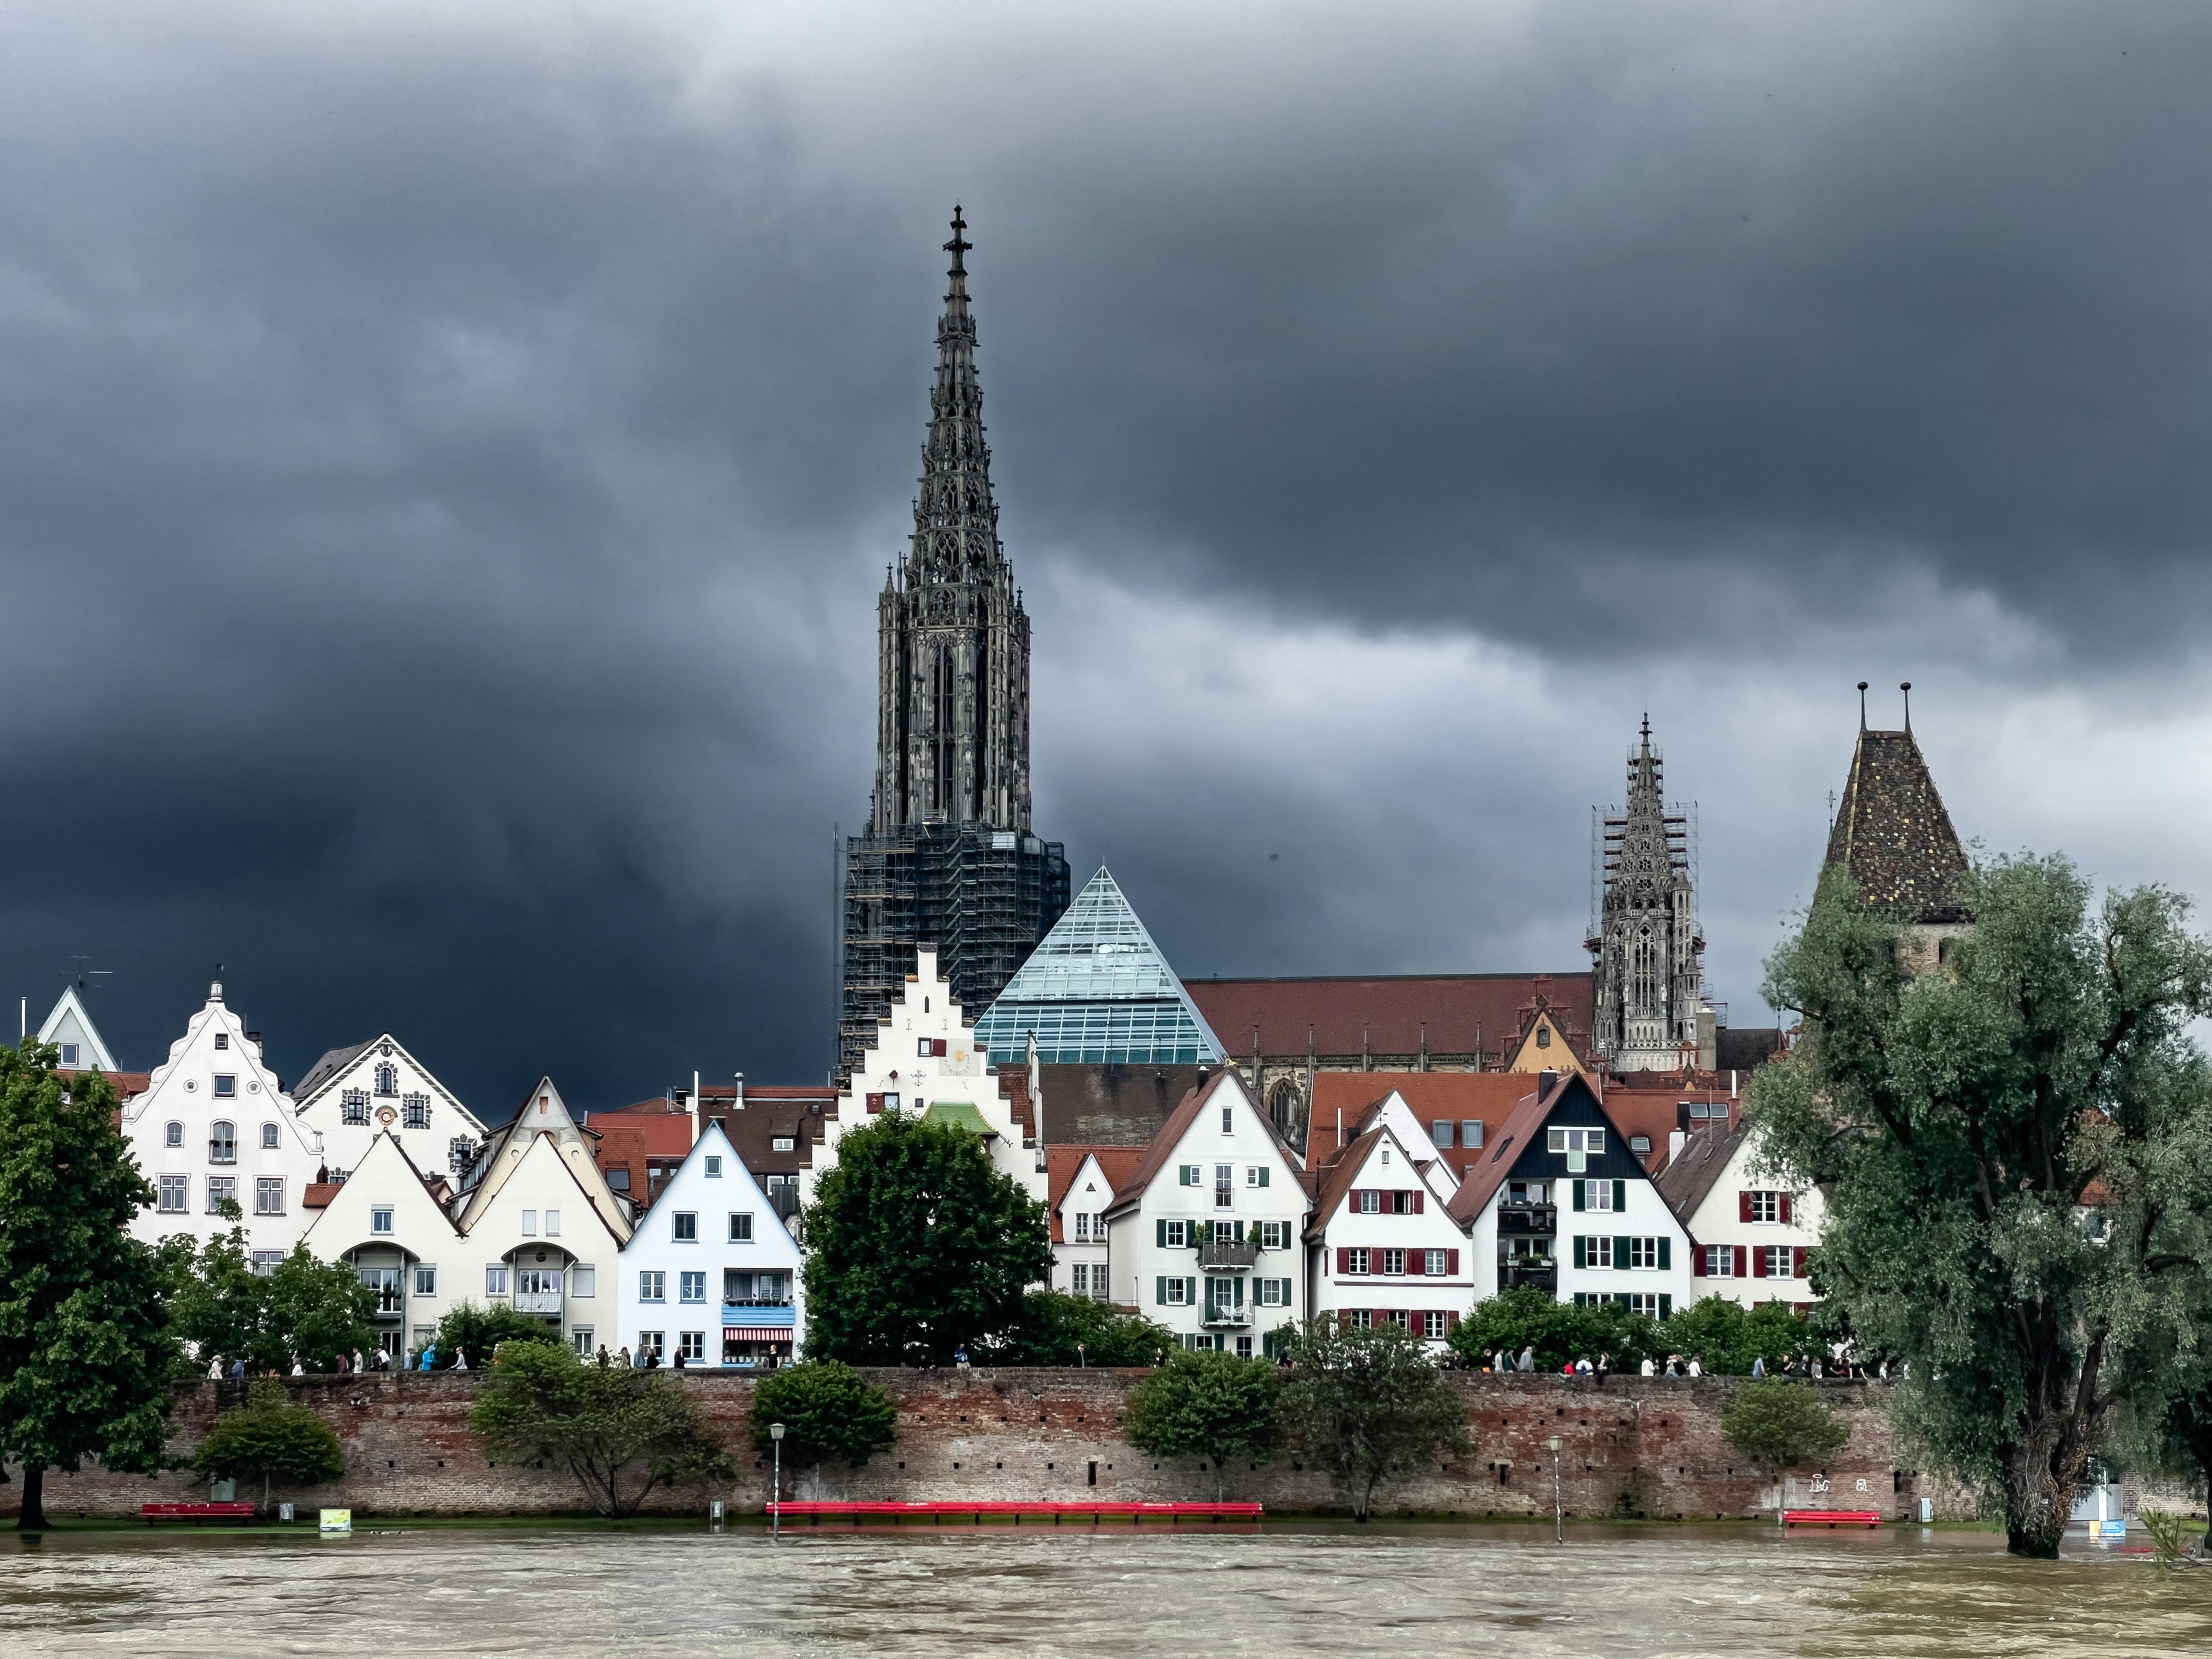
[775,1496]
[1558,1510]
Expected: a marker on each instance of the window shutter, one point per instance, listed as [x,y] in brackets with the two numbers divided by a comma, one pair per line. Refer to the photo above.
[1697,1262]
[875,1102]
[1666,1305]
[1757,1263]
[1665,1253]
[1160,1235]
[1781,1199]
[1190,1292]
[1577,1185]
[1451,1261]
[1263,1174]
[1743,1206]
[1239,1284]
[1163,1290]
[1343,1260]
[1240,1232]
[1740,1261]
[1620,1196]
[1579,1243]
[1797,1262]
[1417,1208]
[1621,1252]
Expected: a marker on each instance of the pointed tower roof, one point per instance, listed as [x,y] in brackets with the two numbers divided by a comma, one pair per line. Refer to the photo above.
[956,521]
[1894,836]
[71,1022]
[1096,991]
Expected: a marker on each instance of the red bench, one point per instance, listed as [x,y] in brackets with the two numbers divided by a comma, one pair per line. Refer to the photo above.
[152,1512]
[1831,1518]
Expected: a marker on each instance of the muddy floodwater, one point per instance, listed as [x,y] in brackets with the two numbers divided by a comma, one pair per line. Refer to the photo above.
[1289,1589]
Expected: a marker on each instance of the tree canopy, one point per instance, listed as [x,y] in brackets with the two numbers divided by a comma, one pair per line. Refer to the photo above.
[270,1437]
[1559,1332]
[2014,1148]
[305,1308]
[1208,1404]
[829,1412]
[917,1248]
[620,1433]
[1370,1403]
[476,1330]
[1781,1426]
[87,1354]
[1724,1336]
[1053,1324]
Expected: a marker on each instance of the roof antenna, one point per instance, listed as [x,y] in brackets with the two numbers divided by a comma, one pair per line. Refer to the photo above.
[1861,705]
[1905,686]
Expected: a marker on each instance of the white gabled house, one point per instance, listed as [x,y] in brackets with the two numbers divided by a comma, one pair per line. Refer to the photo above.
[710,1273]
[386,1222]
[1748,1233]
[213,1125]
[1206,1236]
[353,1095]
[1084,1179]
[1559,1201]
[70,1028]
[1381,1245]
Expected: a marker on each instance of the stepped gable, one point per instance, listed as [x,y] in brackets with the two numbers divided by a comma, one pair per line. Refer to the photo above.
[1894,836]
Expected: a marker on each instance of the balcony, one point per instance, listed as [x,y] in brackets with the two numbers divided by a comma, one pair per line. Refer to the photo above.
[547,1302]
[1528,1270]
[778,1315]
[1228,1253]
[1217,1314]
[1524,1221]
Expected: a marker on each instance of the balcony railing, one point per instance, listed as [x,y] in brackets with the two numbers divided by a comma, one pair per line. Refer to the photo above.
[1544,1275]
[537,1301]
[1525,1219]
[778,1314]
[1216,1315]
[1228,1253]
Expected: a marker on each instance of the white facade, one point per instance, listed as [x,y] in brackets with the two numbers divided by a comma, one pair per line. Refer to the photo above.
[710,1273]
[385,1224]
[1750,1233]
[377,1088]
[1415,1137]
[1208,1239]
[1603,1221]
[69,1028]
[1080,1260]
[212,1125]
[924,1060]
[1387,1250]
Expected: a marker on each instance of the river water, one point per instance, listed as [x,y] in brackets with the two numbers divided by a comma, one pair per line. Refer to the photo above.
[1290,1589]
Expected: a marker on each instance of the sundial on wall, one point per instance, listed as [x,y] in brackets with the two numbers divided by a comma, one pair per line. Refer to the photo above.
[387,1116]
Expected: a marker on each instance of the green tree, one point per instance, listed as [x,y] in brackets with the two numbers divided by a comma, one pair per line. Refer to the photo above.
[270,1437]
[916,1247]
[1780,1426]
[1559,1331]
[216,1302]
[1053,1324]
[1724,1336]
[1207,1404]
[620,1433]
[1368,1404]
[303,1309]
[1963,1121]
[86,1356]
[315,1311]
[477,1332]
[828,1412]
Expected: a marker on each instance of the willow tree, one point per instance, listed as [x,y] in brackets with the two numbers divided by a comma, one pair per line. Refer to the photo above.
[2017,1153]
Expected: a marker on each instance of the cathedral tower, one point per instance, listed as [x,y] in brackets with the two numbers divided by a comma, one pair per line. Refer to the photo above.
[1649,981]
[948,859]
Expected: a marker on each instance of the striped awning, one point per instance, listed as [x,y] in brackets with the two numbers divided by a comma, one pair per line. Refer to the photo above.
[756,1333]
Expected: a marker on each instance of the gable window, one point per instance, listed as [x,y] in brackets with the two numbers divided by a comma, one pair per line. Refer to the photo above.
[69,1054]
[1224,1185]
[387,1077]
[220,1190]
[529,1223]
[226,1086]
[1764,1207]
[1370,1200]
[353,1106]
[1255,1174]
[496,1278]
[1187,1175]
[1601,1196]
[1578,1144]
[223,1143]
[417,1110]
[1229,1119]
[269,1196]
[741,1226]
[686,1228]
[1543,1036]
[653,1286]
[426,1278]
[379,1219]
[173,1192]
[713,1167]
[692,1287]
[174,1136]
[222,1039]
[269,1137]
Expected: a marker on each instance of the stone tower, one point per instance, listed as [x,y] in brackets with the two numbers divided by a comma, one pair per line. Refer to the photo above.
[948,859]
[1893,836]
[1649,980]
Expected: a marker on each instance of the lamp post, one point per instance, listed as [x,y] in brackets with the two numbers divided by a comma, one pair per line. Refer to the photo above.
[1559,1510]
[775,1498]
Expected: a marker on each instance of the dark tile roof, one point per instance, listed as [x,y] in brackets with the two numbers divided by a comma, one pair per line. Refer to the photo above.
[1688,1178]
[1330,1185]
[1107,1105]
[1392,1011]
[328,1067]
[1745,1047]
[1894,836]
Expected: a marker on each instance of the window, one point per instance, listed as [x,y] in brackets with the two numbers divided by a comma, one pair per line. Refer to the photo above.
[1187,1175]
[552,1223]
[1432,1263]
[222,1039]
[529,1223]
[618,1178]
[1079,1224]
[583,1279]
[1370,1202]
[1440,1132]
[496,1278]
[582,1336]
[268,1137]
[264,1262]
[417,1110]
[426,1278]
[686,1230]
[1174,1234]
[1355,1261]
[1272,1292]
[353,1106]
[1244,1347]
[741,1226]
[1766,1207]
[650,1342]
[387,1077]
[1720,1261]
[1643,1252]
[1592,1252]
[1597,1195]
[226,1086]
[379,1219]
[69,1054]
[1393,1262]
[692,1287]
[1655,1307]
[1577,1143]
[782,1143]
[1470,1132]
[653,1286]
[1543,1036]
[1079,1279]
[1224,1185]
[173,1198]
[693,1347]
[1640,1145]
[714,1162]
[223,1143]
[269,1196]
[1228,1121]
[1777,1264]
[220,1190]
[174,1136]
[1176,1293]
[1274,1235]
[1255,1174]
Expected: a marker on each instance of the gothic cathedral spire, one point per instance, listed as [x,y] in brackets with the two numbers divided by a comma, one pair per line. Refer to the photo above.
[1649,981]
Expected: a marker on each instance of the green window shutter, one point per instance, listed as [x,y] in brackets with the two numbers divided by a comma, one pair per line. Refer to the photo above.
[1621,1248]
[1620,1196]
[1620,1300]
[1666,1305]
[1163,1290]
[1665,1253]
[1577,1186]
[1160,1234]
[1263,1174]
[1239,1283]
[1240,1232]
[1579,1243]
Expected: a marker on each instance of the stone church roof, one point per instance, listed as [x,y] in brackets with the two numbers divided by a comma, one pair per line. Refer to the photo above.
[1894,836]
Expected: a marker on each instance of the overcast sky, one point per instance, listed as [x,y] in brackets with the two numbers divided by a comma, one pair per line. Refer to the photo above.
[448,456]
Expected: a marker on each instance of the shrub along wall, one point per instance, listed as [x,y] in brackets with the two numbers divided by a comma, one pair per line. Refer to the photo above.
[1634,1446]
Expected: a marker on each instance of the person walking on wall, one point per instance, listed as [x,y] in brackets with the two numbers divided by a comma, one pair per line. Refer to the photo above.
[623,1360]
[238,1369]
[602,1356]
[1528,1358]
[1759,1364]
[215,1368]
[460,1359]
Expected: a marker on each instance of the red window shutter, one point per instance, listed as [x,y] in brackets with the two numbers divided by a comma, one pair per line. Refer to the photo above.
[1797,1262]
[1739,1261]
[1343,1259]
[1451,1318]
[1743,1206]
[1697,1262]
[1418,1209]
[1757,1263]
[1451,1261]
[938,1047]
[1783,1201]
[875,1102]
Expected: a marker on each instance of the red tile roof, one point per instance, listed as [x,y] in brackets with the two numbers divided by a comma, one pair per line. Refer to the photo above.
[320,1194]
[1392,1012]
[1063,1163]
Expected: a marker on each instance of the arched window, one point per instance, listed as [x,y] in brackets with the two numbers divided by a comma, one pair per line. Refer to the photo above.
[223,1143]
[269,1137]
[387,1077]
[174,1136]
[1543,1036]
[1283,1105]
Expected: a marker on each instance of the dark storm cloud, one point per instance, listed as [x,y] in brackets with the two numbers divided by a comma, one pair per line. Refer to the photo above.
[446,459]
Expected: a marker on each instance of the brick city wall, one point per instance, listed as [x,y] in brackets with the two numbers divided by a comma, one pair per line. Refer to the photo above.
[1633,1446]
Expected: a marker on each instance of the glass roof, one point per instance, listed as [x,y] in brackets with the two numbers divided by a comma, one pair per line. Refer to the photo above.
[1096,991]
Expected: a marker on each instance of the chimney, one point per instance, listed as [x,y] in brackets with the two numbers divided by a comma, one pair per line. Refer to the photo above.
[695,1108]
[1545,1082]
[1676,1141]
[738,1102]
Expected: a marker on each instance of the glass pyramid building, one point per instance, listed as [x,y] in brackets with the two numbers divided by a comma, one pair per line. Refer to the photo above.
[1097,992]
